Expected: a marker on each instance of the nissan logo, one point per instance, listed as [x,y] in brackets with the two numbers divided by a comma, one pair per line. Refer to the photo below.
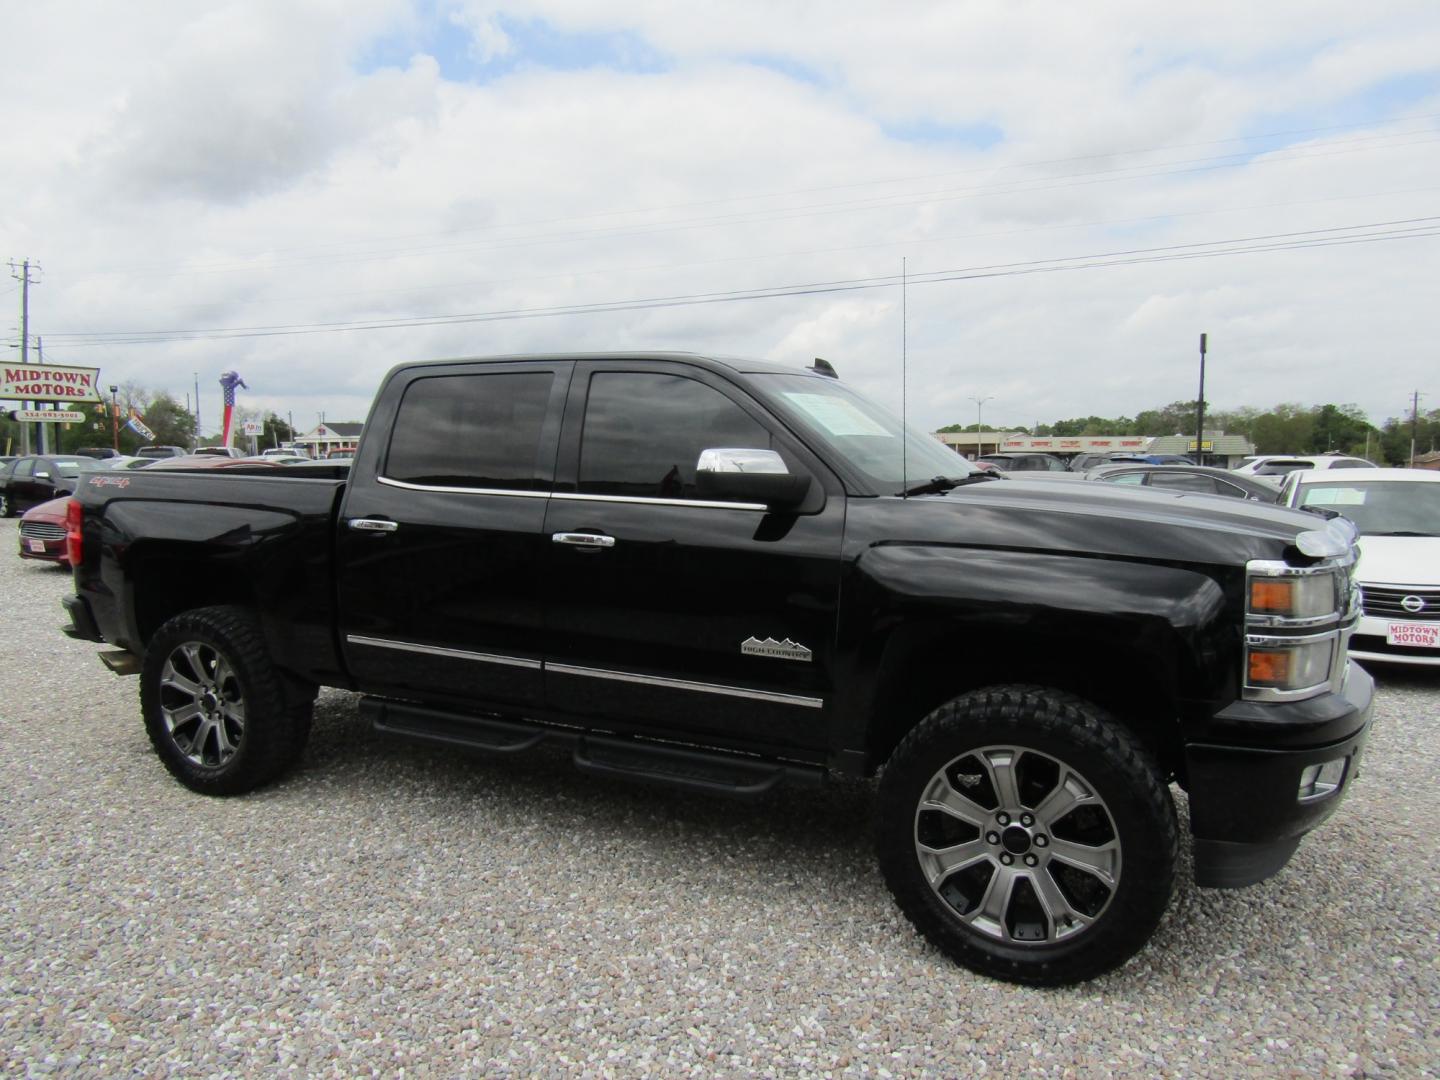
[1413,604]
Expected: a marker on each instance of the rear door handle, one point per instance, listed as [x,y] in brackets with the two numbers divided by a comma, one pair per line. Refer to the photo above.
[373,525]
[587,540]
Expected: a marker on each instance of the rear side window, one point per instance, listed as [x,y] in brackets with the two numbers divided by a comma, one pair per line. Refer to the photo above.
[1183,482]
[472,431]
[644,432]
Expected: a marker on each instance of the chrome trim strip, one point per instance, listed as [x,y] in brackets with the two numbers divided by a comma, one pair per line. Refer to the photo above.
[637,501]
[407,486]
[436,650]
[681,684]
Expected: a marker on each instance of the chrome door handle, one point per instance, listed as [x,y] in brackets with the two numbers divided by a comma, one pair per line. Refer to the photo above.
[373,525]
[588,540]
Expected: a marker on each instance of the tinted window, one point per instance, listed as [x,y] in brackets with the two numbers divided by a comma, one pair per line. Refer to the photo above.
[1133,478]
[24,468]
[478,431]
[644,431]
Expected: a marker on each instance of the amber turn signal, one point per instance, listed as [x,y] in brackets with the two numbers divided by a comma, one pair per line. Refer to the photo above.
[1269,668]
[1274,596]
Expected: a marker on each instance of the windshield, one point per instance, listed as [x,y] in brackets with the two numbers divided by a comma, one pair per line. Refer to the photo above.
[863,433]
[1383,508]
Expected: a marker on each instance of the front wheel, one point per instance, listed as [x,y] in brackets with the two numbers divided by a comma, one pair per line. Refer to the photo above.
[215,706]
[1028,835]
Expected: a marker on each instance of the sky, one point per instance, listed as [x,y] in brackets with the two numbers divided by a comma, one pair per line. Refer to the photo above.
[1007,210]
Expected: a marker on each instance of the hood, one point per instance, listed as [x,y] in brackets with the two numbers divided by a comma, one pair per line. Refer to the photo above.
[1400,560]
[1088,518]
[52,511]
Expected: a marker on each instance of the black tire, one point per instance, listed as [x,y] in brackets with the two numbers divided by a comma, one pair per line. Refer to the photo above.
[980,873]
[215,706]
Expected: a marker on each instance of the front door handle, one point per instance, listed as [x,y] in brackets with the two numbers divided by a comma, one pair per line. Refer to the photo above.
[379,525]
[585,540]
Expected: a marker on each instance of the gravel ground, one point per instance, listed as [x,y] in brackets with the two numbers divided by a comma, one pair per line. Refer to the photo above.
[388,909]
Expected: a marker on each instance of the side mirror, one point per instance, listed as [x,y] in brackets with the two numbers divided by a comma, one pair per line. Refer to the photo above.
[753,476]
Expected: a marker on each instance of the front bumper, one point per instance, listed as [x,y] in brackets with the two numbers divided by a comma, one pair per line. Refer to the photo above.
[1246,809]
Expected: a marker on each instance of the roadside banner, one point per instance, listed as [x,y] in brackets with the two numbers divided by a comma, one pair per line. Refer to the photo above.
[48,382]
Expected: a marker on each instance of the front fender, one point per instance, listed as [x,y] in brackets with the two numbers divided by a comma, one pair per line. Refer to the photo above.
[1137,637]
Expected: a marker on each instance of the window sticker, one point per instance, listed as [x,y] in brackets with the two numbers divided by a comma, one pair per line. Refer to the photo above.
[1329,496]
[836,415]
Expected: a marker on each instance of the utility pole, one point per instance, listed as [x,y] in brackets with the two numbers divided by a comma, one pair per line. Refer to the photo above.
[196,440]
[1200,410]
[21,273]
[1414,426]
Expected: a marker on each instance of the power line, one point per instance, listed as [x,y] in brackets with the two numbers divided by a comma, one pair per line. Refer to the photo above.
[1371,232]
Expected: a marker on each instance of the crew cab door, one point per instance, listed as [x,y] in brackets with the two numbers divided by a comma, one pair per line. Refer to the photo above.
[669,614]
[439,548]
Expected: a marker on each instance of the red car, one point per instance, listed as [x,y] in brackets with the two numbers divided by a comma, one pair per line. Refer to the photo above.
[42,532]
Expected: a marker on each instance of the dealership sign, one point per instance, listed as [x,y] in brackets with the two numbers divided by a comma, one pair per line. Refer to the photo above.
[49,416]
[48,382]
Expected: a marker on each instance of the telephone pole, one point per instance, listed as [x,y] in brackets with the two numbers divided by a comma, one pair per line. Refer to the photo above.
[1414,426]
[21,274]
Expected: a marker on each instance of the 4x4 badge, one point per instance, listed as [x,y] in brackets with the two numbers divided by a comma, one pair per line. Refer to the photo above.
[780,650]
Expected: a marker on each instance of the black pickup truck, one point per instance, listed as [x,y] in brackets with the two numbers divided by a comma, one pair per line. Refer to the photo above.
[729,575]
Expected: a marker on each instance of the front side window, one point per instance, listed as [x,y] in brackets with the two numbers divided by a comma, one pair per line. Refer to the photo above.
[644,431]
[472,431]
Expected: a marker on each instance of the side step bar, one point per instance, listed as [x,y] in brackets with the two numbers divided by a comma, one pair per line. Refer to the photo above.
[712,772]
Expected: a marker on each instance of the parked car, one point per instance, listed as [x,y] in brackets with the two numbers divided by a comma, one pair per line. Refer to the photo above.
[1398,514]
[1201,479]
[161,451]
[30,481]
[210,461]
[42,532]
[97,452]
[1280,464]
[129,461]
[283,451]
[1025,462]
[339,455]
[745,575]
[221,451]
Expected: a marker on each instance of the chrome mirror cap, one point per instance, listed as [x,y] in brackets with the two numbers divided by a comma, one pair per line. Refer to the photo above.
[741,460]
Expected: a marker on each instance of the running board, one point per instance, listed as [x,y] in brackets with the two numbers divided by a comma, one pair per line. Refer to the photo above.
[712,772]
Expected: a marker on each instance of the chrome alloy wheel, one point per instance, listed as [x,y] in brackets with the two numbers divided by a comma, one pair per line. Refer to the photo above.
[1018,844]
[202,704]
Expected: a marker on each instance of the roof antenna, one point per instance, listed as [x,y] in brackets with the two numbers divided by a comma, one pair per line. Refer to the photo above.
[824,367]
[904,321]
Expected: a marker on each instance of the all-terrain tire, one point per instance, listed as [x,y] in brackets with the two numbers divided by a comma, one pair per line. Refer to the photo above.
[1027,835]
[215,707]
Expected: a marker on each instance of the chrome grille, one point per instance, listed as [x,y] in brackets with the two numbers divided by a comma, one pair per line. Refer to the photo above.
[41,530]
[1388,603]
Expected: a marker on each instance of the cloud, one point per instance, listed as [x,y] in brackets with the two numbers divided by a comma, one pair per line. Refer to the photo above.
[310,165]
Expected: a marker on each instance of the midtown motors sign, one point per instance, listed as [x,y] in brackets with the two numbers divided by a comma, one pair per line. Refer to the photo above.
[49,382]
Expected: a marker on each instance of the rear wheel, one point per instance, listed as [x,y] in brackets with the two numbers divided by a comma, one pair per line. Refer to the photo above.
[1028,835]
[215,707]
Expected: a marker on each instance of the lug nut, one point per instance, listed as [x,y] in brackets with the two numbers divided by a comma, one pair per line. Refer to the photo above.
[1027,820]
[1007,858]
[1031,860]
[1041,841]
[992,838]
[1003,819]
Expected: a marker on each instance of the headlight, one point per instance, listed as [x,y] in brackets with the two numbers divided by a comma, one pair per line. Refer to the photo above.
[1292,597]
[1288,664]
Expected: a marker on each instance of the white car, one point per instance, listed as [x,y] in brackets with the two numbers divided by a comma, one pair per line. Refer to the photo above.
[1398,514]
[1281,464]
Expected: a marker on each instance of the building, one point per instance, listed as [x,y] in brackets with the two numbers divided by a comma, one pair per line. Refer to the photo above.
[320,440]
[1226,451]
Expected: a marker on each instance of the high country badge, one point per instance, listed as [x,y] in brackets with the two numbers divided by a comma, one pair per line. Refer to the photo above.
[779,650]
